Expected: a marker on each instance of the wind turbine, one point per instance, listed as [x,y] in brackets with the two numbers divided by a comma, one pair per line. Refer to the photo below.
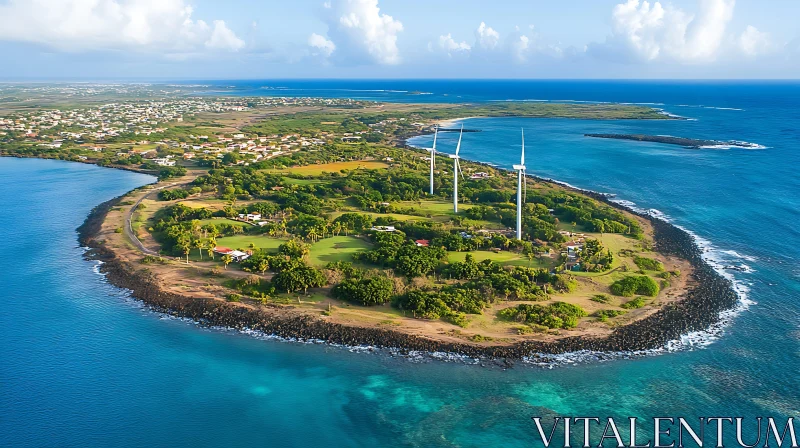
[520,178]
[456,171]
[433,155]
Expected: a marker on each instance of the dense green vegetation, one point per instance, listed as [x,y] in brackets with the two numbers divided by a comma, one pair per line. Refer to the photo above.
[604,315]
[634,304]
[556,315]
[636,284]
[648,264]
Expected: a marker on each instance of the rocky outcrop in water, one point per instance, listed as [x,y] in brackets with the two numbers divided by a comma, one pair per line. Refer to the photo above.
[680,141]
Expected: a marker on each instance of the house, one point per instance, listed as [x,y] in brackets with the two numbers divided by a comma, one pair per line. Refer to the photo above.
[383,229]
[480,175]
[163,161]
[250,216]
[237,255]
[422,243]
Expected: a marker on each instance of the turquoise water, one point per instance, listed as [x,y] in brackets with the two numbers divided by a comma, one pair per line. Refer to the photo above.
[83,365]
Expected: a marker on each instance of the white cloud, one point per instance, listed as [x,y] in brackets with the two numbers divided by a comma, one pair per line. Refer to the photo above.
[519,47]
[142,25]
[321,45]
[361,33]
[222,38]
[450,46]
[753,42]
[486,38]
[649,32]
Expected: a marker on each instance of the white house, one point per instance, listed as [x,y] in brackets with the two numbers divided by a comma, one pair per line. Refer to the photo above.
[250,216]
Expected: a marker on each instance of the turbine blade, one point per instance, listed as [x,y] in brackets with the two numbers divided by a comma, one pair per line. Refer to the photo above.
[435,133]
[458,146]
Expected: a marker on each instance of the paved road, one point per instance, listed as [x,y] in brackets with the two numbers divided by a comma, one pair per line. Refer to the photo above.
[129,215]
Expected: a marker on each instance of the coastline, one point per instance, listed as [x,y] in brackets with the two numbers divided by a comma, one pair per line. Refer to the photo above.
[711,295]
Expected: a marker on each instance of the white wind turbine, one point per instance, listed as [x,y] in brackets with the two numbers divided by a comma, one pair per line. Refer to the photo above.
[520,179]
[433,155]
[456,171]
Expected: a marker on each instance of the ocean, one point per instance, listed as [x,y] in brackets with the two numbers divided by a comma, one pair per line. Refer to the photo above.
[81,364]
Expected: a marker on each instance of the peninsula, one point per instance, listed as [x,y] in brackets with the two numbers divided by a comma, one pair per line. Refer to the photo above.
[310,218]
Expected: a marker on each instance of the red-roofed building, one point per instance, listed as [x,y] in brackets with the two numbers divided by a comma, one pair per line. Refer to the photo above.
[422,243]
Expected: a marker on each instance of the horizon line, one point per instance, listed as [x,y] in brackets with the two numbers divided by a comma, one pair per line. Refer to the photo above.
[183,80]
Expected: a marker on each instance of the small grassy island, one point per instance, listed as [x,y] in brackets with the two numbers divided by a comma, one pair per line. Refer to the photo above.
[311,218]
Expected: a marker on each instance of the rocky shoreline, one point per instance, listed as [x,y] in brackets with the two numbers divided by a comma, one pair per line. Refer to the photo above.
[698,311]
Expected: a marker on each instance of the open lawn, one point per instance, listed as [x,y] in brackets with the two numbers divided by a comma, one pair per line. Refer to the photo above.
[244,241]
[209,203]
[218,221]
[432,207]
[395,216]
[335,167]
[337,248]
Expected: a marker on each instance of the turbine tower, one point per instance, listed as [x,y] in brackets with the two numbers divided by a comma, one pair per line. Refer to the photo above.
[456,171]
[520,178]
[433,155]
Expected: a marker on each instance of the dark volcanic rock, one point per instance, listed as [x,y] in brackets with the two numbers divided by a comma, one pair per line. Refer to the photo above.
[680,141]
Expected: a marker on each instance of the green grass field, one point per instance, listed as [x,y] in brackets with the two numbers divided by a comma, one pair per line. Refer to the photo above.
[316,170]
[218,221]
[244,241]
[503,257]
[395,216]
[432,207]
[337,248]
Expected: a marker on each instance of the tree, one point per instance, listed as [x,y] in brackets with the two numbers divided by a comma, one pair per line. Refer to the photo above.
[262,264]
[200,245]
[294,248]
[300,277]
[365,291]
[226,260]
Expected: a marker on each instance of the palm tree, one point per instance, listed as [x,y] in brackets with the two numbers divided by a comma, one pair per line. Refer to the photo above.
[200,245]
[186,249]
[212,244]
[226,260]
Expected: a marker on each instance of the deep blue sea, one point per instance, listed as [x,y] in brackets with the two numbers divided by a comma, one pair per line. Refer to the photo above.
[82,365]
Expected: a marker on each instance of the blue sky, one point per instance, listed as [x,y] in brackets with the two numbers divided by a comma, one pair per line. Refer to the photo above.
[204,39]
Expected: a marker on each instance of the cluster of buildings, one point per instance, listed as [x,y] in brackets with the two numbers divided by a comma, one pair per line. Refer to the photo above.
[94,128]
[572,248]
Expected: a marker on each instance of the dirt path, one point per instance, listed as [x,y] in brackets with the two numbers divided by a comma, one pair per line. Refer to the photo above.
[128,229]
